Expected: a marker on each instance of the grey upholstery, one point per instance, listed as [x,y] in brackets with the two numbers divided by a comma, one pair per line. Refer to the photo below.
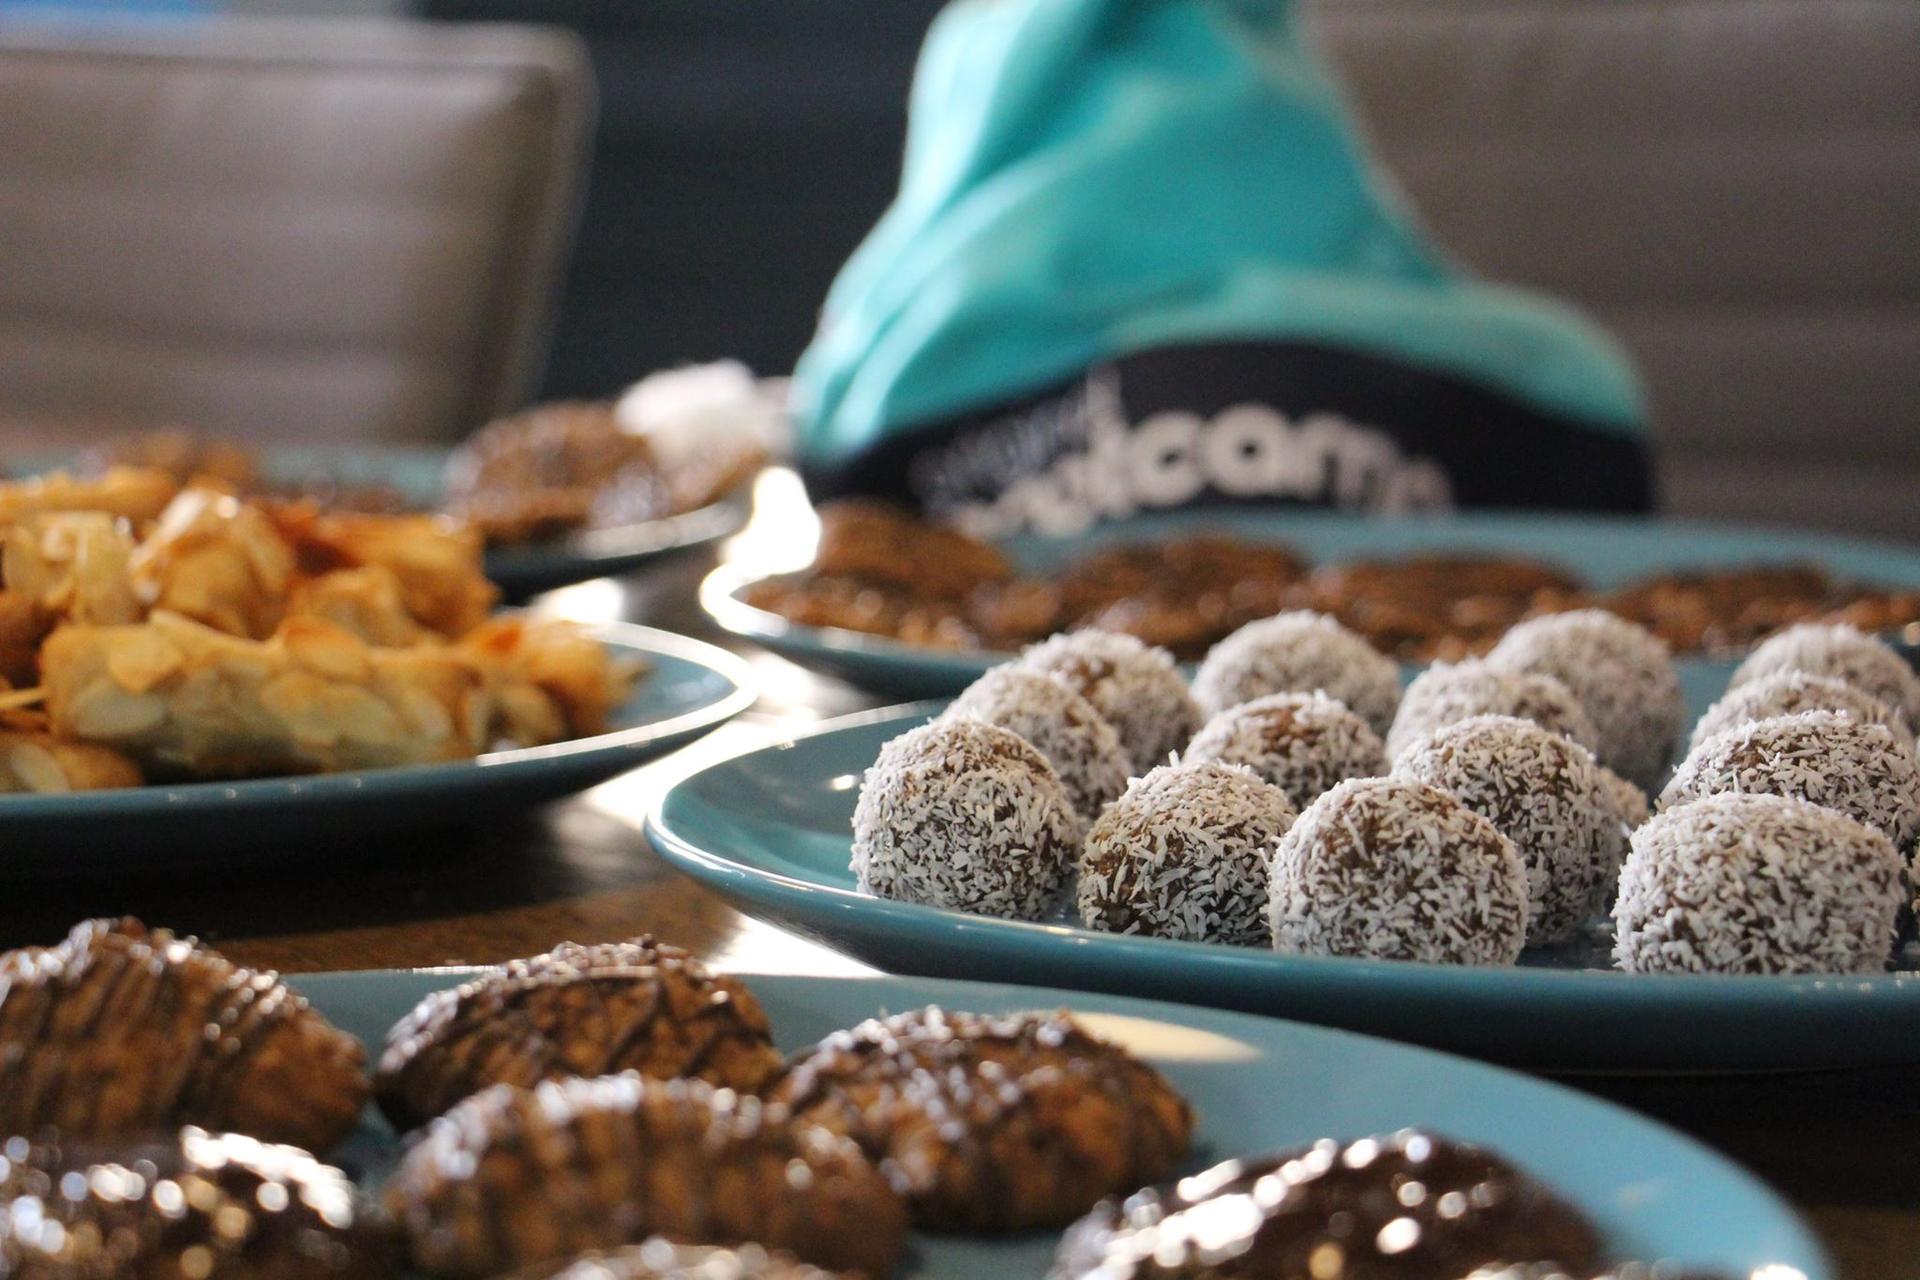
[306,229]
[1732,185]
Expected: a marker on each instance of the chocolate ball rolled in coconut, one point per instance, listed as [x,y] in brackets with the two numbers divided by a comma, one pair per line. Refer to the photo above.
[1183,854]
[1823,757]
[1544,793]
[961,814]
[1786,693]
[1136,688]
[1303,743]
[1063,726]
[1449,692]
[1843,653]
[1735,883]
[1621,675]
[1300,652]
[1394,869]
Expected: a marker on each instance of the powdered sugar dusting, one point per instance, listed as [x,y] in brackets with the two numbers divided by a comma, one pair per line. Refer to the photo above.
[1756,884]
[1394,869]
[1303,743]
[962,814]
[1786,693]
[1183,854]
[1843,652]
[1820,756]
[1621,675]
[1076,739]
[1544,793]
[1446,693]
[1300,652]
[1134,686]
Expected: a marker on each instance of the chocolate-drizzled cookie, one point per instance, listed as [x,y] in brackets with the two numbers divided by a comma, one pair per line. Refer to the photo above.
[575,1011]
[514,1177]
[992,1123]
[663,1259]
[198,1205]
[1409,1206]
[121,1029]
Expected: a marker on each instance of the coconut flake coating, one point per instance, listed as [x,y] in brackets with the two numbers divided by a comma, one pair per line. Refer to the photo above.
[1063,726]
[1394,869]
[1843,653]
[1544,793]
[1449,692]
[1303,743]
[1300,652]
[1786,693]
[1135,687]
[1823,757]
[1621,675]
[1183,854]
[961,814]
[1756,884]
[659,1258]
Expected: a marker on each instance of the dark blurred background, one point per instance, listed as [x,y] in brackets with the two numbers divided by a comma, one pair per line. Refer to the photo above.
[681,258]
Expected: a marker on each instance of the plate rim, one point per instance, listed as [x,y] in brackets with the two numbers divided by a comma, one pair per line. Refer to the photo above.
[127,802]
[1268,1032]
[1593,987]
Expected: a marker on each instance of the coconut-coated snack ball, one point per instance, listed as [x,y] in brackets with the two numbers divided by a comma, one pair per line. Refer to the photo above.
[1303,743]
[1621,675]
[1394,869]
[1786,693]
[1843,652]
[1448,692]
[1738,883]
[1183,854]
[1544,793]
[1823,757]
[1628,799]
[1300,652]
[965,815]
[1135,687]
[1063,726]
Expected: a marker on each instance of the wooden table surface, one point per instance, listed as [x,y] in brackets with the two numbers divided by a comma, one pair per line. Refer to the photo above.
[1843,1146]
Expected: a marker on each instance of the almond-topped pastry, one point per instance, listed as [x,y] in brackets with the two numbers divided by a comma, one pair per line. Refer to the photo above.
[515,1177]
[992,1123]
[187,1206]
[575,1011]
[663,1259]
[121,1029]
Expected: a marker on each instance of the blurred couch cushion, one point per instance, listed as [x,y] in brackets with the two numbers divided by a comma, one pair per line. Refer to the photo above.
[304,229]
[1733,185]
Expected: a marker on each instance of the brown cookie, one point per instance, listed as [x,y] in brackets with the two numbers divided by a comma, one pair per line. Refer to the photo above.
[515,1177]
[575,1011]
[992,1123]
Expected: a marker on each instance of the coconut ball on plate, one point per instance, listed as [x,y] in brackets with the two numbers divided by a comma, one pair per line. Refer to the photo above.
[1135,687]
[1544,793]
[1734,883]
[1843,653]
[1819,756]
[1300,652]
[1183,854]
[965,815]
[1786,693]
[1448,692]
[1303,743]
[1621,675]
[1395,869]
[1084,750]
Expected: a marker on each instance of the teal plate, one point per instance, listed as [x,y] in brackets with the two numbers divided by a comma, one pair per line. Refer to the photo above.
[688,689]
[771,831]
[1604,551]
[1259,1086]
[519,571]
